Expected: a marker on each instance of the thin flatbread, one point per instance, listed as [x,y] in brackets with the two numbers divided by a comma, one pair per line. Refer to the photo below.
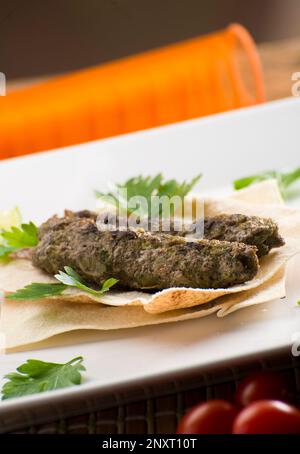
[28,322]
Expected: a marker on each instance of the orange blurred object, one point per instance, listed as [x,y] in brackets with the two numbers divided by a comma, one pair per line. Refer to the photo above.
[201,76]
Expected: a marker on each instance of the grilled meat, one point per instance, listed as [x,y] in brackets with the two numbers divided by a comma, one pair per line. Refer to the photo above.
[253,230]
[141,260]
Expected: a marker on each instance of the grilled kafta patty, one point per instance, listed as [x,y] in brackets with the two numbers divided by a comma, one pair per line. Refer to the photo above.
[141,260]
[260,232]
[253,230]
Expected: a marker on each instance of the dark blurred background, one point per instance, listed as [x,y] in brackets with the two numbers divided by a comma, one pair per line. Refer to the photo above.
[40,37]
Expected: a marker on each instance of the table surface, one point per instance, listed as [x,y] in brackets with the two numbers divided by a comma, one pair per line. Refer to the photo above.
[279,60]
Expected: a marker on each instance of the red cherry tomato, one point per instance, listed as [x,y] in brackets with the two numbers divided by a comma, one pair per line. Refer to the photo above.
[213,417]
[268,417]
[261,386]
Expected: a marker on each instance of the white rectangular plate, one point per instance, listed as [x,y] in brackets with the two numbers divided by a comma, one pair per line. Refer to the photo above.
[222,147]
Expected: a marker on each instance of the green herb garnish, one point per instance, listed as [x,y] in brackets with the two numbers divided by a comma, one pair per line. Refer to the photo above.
[36,291]
[147,187]
[17,238]
[69,278]
[285,180]
[37,376]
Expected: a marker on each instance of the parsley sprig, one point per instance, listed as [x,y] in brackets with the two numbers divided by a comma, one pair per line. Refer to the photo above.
[147,187]
[285,180]
[70,278]
[67,278]
[17,238]
[37,376]
[36,291]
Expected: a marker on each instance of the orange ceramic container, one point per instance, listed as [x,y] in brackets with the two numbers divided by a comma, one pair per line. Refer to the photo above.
[201,76]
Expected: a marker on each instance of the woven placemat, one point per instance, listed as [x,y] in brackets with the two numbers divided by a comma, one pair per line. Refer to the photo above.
[158,408]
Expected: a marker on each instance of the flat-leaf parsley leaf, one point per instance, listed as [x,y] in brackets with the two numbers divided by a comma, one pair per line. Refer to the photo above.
[37,376]
[67,278]
[284,180]
[25,236]
[146,187]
